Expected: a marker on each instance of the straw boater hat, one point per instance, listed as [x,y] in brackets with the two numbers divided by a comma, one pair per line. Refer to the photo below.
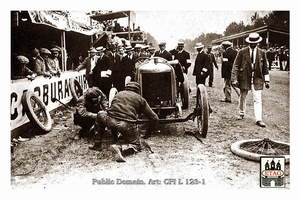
[226,43]
[199,45]
[180,44]
[253,38]
[100,49]
[129,48]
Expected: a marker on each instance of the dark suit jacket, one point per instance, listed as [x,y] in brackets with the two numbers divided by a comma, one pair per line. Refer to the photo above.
[182,58]
[128,66]
[103,64]
[166,55]
[242,69]
[116,67]
[230,55]
[201,64]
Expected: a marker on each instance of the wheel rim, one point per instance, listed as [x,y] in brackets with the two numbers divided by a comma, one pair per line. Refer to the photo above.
[39,110]
[253,149]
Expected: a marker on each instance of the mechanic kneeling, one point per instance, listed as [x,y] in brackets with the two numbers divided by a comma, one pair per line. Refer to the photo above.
[87,107]
[121,117]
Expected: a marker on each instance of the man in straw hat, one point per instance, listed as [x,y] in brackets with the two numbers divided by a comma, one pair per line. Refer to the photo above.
[250,72]
[89,63]
[201,65]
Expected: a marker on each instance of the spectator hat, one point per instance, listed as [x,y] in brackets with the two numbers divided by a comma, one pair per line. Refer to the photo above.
[133,86]
[23,59]
[199,45]
[93,93]
[226,43]
[180,44]
[54,49]
[35,52]
[253,38]
[100,49]
[44,51]
[162,44]
[129,48]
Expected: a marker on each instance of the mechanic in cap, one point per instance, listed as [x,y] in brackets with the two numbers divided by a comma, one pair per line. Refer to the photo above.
[87,107]
[121,117]
[40,65]
[21,70]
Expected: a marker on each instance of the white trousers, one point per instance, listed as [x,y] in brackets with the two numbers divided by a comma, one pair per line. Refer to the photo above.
[257,103]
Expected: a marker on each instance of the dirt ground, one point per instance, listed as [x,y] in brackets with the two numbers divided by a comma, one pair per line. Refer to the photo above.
[57,161]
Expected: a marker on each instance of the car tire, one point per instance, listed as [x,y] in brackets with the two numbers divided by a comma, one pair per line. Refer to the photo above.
[36,111]
[202,103]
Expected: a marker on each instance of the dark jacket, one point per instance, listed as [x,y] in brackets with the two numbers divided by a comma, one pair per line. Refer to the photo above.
[165,54]
[228,59]
[87,109]
[242,69]
[201,64]
[128,66]
[128,105]
[182,57]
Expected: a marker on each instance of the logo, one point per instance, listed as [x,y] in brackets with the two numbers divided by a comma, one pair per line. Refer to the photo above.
[272,171]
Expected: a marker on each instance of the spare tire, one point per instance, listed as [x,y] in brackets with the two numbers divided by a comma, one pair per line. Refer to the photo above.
[36,111]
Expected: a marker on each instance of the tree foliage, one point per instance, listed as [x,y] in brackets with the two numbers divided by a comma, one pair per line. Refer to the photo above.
[279,19]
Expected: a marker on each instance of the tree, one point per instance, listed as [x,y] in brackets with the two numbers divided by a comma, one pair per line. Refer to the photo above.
[234,28]
[279,19]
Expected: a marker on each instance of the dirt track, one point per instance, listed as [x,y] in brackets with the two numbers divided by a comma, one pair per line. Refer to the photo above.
[57,160]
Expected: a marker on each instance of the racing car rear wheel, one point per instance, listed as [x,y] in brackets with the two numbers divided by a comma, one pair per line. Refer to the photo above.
[36,111]
[75,88]
[202,104]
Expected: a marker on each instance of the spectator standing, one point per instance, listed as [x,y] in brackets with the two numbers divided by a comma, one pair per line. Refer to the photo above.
[102,72]
[162,52]
[227,62]
[128,64]
[212,63]
[201,65]
[89,64]
[250,72]
[87,107]
[270,57]
[115,63]
[183,57]
[121,117]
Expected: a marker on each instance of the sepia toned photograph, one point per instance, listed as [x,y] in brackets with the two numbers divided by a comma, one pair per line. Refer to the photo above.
[149,99]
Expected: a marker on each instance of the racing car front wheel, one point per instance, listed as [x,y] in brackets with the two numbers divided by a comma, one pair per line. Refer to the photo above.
[202,105]
[36,111]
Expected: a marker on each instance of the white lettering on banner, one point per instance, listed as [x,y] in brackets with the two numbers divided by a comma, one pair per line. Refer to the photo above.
[48,90]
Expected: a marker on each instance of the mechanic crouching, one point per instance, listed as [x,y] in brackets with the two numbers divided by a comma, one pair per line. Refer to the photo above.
[121,117]
[87,107]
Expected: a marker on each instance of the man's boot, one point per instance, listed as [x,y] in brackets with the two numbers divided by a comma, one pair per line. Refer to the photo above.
[98,143]
[116,149]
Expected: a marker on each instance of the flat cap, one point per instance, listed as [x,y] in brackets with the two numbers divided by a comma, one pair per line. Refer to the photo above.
[44,51]
[22,59]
